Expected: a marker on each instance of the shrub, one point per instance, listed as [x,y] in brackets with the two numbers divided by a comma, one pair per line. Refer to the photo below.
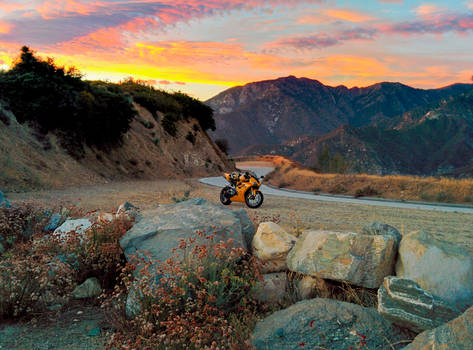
[190,137]
[54,99]
[146,124]
[169,124]
[366,191]
[222,144]
[183,198]
[338,189]
[31,278]
[443,196]
[203,299]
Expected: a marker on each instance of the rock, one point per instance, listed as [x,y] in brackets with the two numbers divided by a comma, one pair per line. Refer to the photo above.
[273,288]
[454,335]
[94,332]
[271,244]
[53,222]
[378,228]
[79,226]
[132,305]
[3,201]
[325,324]
[406,304]
[159,230]
[441,268]
[360,259]
[105,218]
[128,210]
[2,249]
[247,227]
[89,289]
[308,287]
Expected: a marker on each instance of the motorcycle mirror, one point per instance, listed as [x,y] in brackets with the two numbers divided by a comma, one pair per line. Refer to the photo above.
[262,177]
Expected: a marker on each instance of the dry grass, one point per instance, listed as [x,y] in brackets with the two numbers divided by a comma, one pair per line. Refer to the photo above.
[290,174]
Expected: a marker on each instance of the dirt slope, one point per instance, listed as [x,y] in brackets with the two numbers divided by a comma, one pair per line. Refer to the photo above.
[29,160]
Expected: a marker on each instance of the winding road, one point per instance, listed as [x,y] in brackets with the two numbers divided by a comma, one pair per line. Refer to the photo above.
[263,170]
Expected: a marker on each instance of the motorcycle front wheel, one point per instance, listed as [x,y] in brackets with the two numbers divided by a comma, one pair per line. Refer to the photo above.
[254,201]
[223,198]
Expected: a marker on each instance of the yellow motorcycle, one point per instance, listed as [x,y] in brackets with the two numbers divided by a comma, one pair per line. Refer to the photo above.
[243,188]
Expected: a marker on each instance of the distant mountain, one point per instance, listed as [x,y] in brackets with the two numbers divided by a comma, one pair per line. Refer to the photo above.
[274,111]
[435,140]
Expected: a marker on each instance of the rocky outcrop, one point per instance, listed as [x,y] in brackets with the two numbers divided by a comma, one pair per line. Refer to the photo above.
[325,324]
[454,335]
[273,288]
[441,268]
[89,289]
[159,230]
[53,222]
[360,259]
[406,304]
[308,286]
[271,244]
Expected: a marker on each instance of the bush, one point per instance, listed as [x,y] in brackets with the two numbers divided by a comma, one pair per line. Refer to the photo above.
[366,191]
[338,189]
[201,301]
[169,124]
[222,144]
[190,137]
[53,99]
[31,278]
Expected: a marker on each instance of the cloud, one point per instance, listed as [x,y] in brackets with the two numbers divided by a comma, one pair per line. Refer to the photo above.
[432,23]
[392,1]
[322,40]
[164,82]
[469,4]
[348,15]
[4,27]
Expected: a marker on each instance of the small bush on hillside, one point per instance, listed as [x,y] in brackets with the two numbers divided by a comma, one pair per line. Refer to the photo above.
[443,196]
[190,137]
[204,301]
[338,189]
[169,124]
[223,145]
[366,191]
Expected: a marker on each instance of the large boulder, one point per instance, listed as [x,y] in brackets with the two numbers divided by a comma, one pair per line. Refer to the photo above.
[159,230]
[325,324]
[360,259]
[79,226]
[406,304]
[89,289]
[53,222]
[247,227]
[273,288]
[271,244]
[378,228]
[441,268]
[454,335]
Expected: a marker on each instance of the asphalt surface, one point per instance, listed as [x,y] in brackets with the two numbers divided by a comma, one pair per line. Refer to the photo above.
[261,171]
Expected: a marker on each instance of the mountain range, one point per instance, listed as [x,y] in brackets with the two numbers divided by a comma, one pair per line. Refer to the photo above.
[383,128]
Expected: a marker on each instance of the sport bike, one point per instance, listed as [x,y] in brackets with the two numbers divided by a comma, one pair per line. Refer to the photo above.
[244,188]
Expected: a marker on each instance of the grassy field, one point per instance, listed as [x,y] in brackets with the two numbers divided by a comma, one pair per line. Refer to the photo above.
[295,215]
[289,174]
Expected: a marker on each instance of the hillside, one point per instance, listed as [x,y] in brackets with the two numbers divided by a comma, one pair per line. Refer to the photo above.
[273,111]
[436,141]
[57,130]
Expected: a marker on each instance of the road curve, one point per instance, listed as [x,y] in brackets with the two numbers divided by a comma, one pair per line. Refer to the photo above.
[260,171]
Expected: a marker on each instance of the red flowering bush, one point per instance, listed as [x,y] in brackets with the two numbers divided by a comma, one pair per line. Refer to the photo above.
[202,298]
[30,279]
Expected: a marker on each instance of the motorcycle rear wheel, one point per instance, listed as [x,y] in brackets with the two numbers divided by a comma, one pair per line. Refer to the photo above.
[255,201]
[223,198]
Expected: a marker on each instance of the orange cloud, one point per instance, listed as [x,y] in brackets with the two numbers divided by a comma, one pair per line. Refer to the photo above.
[8,7]
[4,27]
[348,15]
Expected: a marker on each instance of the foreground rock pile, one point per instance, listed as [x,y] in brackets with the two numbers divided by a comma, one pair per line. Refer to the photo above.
[423,285]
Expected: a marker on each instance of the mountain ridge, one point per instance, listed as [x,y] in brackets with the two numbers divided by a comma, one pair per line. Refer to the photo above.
[266,111]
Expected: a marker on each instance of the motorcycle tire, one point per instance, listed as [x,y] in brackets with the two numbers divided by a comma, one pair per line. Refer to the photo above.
[223,198]
[255,202]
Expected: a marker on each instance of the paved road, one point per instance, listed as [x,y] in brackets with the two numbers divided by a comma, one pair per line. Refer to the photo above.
[260,171]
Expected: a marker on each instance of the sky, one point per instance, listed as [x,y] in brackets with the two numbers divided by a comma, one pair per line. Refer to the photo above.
[202,47]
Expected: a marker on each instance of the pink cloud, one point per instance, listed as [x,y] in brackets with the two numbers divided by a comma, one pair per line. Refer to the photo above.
[164,82]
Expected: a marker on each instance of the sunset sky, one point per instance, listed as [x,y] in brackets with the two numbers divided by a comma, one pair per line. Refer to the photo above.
[203,47]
